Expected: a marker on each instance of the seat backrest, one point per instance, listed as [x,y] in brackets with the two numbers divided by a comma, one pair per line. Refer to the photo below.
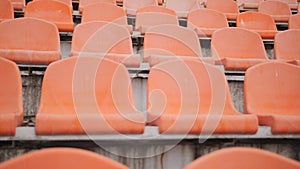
[271,88]
[237,43]
[104,12]
[294,21]
[255,21]
[18,4]
[61,158]
[206,18]
[6,10]
[68,2]
[50,10]
[188,87]
[86,82]
[150,19]
[224,6]
[180,6]
[242,157]
[136,4]
[286,45]
[11,90]
[37,37]
[273,7]
[101,37]
[159,9]
[83,3]
[241,2]
[171,40]
[287,1]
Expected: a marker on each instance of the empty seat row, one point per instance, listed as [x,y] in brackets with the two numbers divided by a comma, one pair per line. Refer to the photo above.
[61,14]
[182,8]
[232,47]
[236,157]
[94,96]
[254,4]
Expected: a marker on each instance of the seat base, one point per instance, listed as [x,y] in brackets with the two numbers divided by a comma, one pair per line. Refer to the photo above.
[54,124]
[190,124]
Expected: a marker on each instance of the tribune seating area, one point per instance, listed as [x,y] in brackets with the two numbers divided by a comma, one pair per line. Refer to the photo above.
[90,91]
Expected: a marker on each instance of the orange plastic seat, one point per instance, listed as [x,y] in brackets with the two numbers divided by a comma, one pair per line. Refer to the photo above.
[147,17]
[94,96]
[83,3]
[293,4]
[237,48]
[271,93]
[6,10]
[131,6]
[227,7]
[206,21]
[249,4]
[294,21]
[242,157]
[61,158]
[261,23]
[194,98]
[53,11]
[104,39]
[182,8]
[11,105]
[280,11]
[36,43]
[18,5]
[105,12]
[166,42]
[286,46]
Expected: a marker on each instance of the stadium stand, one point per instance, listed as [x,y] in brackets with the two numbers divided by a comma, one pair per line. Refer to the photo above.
[271,94]
[249,4]
[191,107]
[182,8]
[206,21]
[83,3]
[105,12]
[165,42]
[6,10]
[60,158]
[228,7]
[261,23]
[102,103]
[53,11]
[293,4]
[280,11]
[294,21]
[104,39]
[11,111]
[36,43]
[148,16]
[237,48]
[286,46]
[243,157]
[174,104]
[18,5]
[131,6]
